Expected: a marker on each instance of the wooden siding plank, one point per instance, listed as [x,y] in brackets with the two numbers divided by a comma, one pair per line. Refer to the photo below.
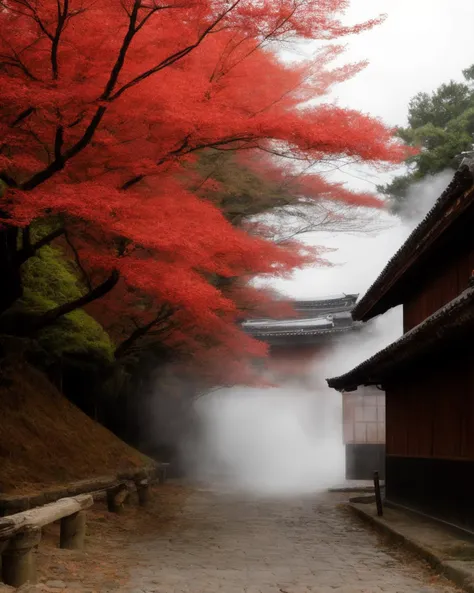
[439,284]
[430,414]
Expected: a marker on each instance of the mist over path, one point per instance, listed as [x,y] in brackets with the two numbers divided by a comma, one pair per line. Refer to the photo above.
[235,544]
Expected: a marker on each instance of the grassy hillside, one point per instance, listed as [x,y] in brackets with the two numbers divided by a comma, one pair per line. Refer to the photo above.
[46,440]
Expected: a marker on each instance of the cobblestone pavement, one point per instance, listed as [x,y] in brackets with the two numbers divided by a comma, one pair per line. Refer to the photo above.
[234,545]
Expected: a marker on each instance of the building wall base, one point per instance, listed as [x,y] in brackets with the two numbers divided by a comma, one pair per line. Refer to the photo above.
[363,459]
[441,488]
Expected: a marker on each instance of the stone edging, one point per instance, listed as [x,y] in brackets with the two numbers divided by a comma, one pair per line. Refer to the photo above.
[355,489]
[451,569]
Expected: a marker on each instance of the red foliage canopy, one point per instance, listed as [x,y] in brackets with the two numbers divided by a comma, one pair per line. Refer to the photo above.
[104,100]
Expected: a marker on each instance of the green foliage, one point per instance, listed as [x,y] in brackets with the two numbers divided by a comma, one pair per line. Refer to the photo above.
[441,125]
[468,73]
[241,192]
[445,103]
[51,280]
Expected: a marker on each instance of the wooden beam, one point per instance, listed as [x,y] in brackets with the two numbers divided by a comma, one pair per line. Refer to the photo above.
[41,516]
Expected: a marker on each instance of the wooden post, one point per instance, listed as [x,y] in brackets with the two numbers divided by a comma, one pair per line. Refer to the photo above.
[116,497]
[73,531]
[19,558]
[128,499]
[22,532]
[3,545]
[378,496]
[143,491]
[162,475]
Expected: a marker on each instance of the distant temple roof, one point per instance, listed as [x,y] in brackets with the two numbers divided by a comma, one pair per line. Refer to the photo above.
[328,298]
[318,317]
[447,214]
[333,301]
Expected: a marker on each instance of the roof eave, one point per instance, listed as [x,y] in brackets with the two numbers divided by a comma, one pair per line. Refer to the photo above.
[380,297]
[437,330]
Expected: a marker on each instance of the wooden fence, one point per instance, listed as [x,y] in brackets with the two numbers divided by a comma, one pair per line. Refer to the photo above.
[20,532]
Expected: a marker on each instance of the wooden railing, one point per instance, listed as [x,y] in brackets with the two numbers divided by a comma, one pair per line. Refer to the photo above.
[20,533]
[11,503]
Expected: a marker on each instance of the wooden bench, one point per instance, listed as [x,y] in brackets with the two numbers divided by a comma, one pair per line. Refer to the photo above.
[20,535]
[20,532]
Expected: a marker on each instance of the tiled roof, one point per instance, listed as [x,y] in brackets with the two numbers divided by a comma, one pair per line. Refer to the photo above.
[306,332]
[431,227]
[449,324]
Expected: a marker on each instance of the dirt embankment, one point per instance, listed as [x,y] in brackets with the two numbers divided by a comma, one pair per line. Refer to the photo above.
[46,441]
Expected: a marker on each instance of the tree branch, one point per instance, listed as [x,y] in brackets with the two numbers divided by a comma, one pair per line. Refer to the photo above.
[124,347]
[29,249]
[176,56]
[53,315]
[59,163]
[127,40]
[78,262]
[62,18]
[109,95]
[23,115]
[58,144]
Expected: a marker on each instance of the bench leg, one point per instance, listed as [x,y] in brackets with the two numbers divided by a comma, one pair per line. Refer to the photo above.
[115,498]
[73,531]
[143,491]
[19,559]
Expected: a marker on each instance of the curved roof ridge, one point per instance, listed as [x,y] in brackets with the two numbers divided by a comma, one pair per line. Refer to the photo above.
[462,181]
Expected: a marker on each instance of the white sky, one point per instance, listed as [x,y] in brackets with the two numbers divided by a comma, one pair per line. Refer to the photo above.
[422,44]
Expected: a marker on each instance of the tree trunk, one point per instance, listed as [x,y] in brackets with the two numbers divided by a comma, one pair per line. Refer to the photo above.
[11,259]
[10,278]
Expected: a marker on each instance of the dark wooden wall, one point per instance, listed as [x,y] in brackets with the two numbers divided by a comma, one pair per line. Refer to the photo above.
[430,408]
[430,439]
[430,413]
[440,281]
[363,460]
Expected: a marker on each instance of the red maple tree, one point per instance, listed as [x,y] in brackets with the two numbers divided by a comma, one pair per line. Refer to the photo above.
[104,101]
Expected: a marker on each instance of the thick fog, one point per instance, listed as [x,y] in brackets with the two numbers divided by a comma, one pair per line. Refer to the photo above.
[288,439]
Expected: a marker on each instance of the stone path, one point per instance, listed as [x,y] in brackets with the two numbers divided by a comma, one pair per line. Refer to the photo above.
[230,544]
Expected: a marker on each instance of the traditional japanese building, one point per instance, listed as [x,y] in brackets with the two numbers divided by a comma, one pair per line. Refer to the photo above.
[317,320]
[428,374]
[295,345]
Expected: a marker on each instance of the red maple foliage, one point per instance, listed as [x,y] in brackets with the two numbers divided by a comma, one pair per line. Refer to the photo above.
[103,101]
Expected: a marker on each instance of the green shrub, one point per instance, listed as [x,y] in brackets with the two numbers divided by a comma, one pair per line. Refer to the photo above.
[50,280]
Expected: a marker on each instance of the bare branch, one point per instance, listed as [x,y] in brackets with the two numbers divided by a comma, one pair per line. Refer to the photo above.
[30,12]
[63,14]
[109,95]
[124,347]
[23,115]
[29,249]
[58,143]
[176,56]
[77,259]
